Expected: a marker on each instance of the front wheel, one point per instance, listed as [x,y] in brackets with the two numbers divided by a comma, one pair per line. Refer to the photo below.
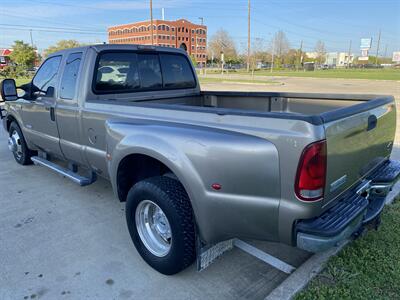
[17,145]
[160,222]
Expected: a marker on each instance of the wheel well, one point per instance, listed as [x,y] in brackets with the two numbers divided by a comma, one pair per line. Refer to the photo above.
[10,119]
[136,167]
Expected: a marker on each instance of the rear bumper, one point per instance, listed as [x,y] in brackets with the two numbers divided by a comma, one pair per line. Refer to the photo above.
[355,209]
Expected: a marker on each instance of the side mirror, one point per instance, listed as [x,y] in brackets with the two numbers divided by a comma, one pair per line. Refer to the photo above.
[8,90]
[50,92]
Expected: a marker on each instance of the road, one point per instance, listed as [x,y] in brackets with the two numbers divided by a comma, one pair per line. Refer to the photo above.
[59,240]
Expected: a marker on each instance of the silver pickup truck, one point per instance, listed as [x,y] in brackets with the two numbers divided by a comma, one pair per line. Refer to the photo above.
[198,168]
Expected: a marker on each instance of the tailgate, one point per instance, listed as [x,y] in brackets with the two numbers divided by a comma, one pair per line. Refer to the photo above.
[358,139]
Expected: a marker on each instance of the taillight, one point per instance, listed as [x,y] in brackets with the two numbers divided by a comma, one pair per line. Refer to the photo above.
[311,172]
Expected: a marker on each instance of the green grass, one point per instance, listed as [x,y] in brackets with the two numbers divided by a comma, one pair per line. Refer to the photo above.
[368,268]
[230,80]
[20,81]
[377,74]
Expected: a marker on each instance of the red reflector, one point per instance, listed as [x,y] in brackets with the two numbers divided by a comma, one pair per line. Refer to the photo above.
[311,172]
[216,186]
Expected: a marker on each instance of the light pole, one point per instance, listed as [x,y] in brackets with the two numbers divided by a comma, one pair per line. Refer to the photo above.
[248,35]
[151,21]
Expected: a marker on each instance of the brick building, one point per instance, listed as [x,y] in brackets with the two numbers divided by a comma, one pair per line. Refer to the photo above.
[180,33]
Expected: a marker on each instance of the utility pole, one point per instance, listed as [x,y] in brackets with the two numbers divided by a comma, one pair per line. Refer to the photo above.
[151,21]
[202,20]
[272,55]
[377,47]
[300,55]
[385,51]
[30,33]
[248,36]
[348,56]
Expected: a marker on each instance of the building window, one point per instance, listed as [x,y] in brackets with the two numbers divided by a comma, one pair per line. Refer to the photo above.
[163,27]
[173,29]
[173,38]
[187,39]
[192,47]
[167,37]
[179,29]
[187,30]
[192,40]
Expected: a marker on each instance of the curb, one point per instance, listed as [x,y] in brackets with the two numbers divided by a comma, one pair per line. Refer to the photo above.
[300,278]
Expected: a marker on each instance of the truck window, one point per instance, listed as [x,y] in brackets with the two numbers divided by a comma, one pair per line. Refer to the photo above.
[117,72]
[47,74]
[177,73]
[124,72]
[69,77]
[150,71]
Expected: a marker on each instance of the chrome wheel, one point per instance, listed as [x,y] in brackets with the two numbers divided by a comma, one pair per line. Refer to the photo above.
[153,228]
[14,144]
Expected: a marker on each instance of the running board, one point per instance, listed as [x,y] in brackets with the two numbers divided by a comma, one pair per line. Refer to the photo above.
[75,177]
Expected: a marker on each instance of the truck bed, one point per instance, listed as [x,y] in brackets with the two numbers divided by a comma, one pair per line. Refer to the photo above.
[311,107]
[353,148]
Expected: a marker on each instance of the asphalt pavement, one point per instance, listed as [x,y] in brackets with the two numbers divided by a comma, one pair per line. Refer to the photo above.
[62,241]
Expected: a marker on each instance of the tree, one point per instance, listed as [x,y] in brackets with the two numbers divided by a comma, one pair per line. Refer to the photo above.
[321,52]
[61,45]
[279,47]
[292,57]
[259,53]
[221,41]
[23,54]
[194,60]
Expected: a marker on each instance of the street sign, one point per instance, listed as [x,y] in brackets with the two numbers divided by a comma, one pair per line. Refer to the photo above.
[366,43]
[396,57]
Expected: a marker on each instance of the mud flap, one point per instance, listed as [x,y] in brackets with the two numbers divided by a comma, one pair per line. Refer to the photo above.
[206,255]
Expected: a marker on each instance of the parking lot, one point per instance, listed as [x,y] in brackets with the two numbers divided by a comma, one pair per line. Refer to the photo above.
[59,240]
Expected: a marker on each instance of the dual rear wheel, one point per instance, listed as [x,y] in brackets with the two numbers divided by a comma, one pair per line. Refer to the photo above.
[161,225]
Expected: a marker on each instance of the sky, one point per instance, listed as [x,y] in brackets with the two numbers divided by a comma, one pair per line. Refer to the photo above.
[335,22]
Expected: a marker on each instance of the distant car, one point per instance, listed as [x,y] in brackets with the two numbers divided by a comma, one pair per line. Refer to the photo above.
[32,69]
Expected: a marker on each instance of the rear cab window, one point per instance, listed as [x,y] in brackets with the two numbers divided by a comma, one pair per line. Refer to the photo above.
[130,71]
[70,76]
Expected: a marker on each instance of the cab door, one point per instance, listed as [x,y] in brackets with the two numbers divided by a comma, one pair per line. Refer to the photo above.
[39,111]
[67,110]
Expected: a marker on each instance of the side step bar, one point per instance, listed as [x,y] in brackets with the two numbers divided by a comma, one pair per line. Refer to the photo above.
[81,180]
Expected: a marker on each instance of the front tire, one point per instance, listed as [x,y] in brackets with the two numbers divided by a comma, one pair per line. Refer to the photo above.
[160,222]
[18,146]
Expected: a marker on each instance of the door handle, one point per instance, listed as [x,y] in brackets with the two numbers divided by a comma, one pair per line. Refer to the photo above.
[52,114]
[51,110]
[372,121]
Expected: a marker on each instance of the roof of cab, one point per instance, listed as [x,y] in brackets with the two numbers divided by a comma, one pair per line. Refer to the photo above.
[105,47]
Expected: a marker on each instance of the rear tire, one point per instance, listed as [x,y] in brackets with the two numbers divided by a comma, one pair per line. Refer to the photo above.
[18,146]
[167,245]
